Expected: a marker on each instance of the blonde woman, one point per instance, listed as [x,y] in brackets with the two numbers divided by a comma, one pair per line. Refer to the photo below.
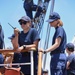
[57,50]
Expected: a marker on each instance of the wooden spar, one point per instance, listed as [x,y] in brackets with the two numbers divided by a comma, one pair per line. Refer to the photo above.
[39,63]
[12,50]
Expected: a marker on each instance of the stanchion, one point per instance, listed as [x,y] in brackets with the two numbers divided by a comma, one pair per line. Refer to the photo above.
[39,63]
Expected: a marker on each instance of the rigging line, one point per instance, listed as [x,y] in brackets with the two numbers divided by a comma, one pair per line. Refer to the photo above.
[47,35]
[39,3]
[36,20]
[41,33]
[42,17]
[46,46]
[49,29]
[40,30]
[40,44]
[51,10]
[52,7]
[47,38]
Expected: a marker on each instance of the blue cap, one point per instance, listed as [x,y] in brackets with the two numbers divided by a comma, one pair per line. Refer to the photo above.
[70,46]
[11,37]
[54,16]
[25,18]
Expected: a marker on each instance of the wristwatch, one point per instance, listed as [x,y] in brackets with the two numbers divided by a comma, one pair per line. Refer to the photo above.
[45,52]
[24,46]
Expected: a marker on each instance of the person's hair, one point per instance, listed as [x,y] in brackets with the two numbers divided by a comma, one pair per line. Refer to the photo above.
[60,23]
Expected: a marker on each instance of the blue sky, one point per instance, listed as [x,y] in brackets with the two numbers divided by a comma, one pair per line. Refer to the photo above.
[12,10]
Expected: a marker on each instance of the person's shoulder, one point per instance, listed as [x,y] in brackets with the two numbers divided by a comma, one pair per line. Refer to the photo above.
[60,27]
[72,55]
[33,29]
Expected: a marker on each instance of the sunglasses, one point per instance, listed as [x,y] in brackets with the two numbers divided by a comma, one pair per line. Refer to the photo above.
[23,22]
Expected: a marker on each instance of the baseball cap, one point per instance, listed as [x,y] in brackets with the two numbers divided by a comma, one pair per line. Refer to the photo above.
[11,37]
[25,18]
[70,46]
[54,16]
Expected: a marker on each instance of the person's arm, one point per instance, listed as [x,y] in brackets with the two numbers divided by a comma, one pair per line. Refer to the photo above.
[67,66]
[35,45]
[15,39]
[55,45]
[35,39]
[69,61]
[15,42]
[28,47]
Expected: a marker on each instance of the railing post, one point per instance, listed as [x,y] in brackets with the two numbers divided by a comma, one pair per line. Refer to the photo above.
[39,63]
[32,62]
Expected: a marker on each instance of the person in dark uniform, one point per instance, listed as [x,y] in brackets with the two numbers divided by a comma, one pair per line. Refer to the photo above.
[46,0]
[1,37]
[57,49]
[16,56]
[1,44]
[70,59]
[29,6]
[26,39]
[1,47]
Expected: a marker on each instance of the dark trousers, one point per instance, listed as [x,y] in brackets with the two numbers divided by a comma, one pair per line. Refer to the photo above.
[1,60]
[70,72]
[58,64]
[26,69]
[29,7]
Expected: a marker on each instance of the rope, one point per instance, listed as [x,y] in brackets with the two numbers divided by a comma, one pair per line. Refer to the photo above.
[48,33]
[46,43]
[37,7]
